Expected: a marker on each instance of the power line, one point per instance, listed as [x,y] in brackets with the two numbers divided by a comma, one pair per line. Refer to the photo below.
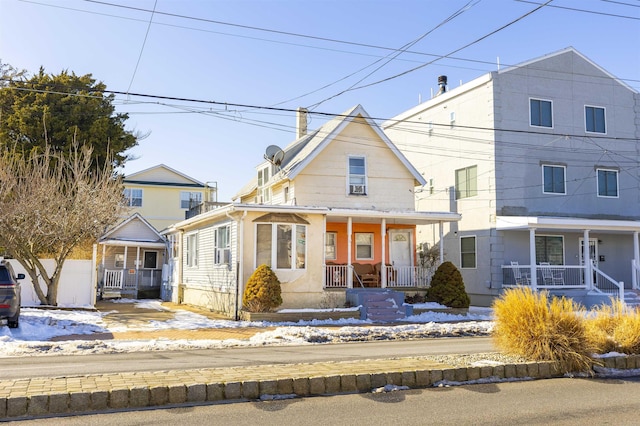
[144,42]
[584,10]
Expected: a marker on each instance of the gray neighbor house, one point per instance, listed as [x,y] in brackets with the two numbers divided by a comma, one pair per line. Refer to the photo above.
[542,161]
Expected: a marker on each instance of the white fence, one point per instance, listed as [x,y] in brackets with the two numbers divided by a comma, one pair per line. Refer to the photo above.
[75,289]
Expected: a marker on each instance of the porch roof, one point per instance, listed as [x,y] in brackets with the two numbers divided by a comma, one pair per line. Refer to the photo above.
[132,243]
[506,223]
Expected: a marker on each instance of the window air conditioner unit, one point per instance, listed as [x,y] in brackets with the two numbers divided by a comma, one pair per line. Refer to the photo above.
[357,189]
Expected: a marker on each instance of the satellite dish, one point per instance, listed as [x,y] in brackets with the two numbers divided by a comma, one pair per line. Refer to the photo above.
[274,155]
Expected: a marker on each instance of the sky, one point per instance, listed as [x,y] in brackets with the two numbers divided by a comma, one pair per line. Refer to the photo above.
[211,84]
[39,326]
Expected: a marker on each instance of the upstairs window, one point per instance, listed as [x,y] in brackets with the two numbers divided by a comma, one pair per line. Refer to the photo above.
[133,197]
[607,183]
[553,180]
[190,199]
[264,192]
[594,119]
[357,176]
[541,113]
[466,182]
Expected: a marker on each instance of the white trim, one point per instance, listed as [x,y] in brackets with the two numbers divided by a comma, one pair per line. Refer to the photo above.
[604,169]
[475,249]
[542,166]
[552,118]
[505,223]
[605,120]
[564,251]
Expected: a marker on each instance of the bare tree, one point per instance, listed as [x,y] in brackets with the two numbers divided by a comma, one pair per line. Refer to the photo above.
[49,203]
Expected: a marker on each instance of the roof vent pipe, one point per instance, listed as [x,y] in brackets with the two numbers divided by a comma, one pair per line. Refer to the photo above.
[301,122]
[442,82]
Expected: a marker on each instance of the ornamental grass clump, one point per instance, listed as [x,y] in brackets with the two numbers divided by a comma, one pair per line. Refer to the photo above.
[447,287]
[262,292]
[530,325]
[614,328]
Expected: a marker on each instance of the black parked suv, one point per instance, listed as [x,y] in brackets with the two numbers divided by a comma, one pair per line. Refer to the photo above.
[9,294]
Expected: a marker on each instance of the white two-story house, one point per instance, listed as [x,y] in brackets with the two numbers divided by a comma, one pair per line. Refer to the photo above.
[542,160]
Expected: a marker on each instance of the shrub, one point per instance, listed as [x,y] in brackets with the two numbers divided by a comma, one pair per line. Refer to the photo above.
[530,325]
[262,292]
[614,328]
[447,287]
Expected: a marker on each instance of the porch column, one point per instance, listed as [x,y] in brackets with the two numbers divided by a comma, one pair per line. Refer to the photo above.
[137,267]
[441,230]
[586,260]
[124,264]
[532,259]
[104,254]
[349,239]
[383,270]
[636,260]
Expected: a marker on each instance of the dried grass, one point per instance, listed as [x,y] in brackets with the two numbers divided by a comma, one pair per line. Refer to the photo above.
[614,328]
[531,325]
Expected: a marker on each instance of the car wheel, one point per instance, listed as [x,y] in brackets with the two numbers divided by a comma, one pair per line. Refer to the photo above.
[13,322]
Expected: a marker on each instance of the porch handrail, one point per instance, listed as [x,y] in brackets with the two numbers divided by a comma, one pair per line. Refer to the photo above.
[112,279]
[599,287]
[635,274]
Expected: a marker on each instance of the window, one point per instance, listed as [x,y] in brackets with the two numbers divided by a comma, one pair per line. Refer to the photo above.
[264,192]
[190,199]
[191,250]
[150,260]
[468,252]
[133,197]
[607,183]
[553,181]
[550,248]
[541,113]
[281,244]
[594,119]
[364,246]
[222,245]
[330,249]
[467,182]
[118,260]
[357,176]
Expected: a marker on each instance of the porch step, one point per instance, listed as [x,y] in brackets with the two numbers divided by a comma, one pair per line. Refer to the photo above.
[632,297]
[383,306]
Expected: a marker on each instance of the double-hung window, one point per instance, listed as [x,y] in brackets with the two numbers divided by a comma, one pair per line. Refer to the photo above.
[550,248]
[222,245]
[594,119]
[468,252]
[133,197]
[541,113]
[264,191]
[190,199]
[364,246]
[191,250]
[357,176]
[330,246]
[607,183]
[553,179]
[466,182]
[281,244]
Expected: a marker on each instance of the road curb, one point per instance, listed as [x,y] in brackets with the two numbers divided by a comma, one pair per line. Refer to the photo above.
[192,386]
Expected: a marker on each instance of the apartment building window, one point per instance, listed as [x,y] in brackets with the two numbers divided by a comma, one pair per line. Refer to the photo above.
[468,252]
[550,248]
[222,245]
[594,119]
[466,182]
[191,250]
[541,113]
[553,179]
[330,246]
[284,241]
[190,199]
[357,176]
[364,246]
[133,197]
[607,183]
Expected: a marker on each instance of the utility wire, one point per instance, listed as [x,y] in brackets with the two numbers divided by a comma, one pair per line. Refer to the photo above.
[143,44]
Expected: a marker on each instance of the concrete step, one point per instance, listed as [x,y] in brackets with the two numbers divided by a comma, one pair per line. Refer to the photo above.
[390,316]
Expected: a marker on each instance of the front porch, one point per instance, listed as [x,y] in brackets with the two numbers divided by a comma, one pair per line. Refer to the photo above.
[344,276]
[136,284]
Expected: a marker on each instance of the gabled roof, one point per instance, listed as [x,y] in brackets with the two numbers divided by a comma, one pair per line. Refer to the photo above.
[566,50]
[145,232]
[304,150]
[162,174]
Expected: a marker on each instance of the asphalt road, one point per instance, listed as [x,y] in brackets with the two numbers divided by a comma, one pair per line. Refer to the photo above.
[70,365]
[542,402]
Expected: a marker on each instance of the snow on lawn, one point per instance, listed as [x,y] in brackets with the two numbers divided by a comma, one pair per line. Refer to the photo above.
[39,326]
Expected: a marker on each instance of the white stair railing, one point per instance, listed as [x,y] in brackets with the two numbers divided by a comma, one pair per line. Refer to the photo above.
[605,284]
[635,274]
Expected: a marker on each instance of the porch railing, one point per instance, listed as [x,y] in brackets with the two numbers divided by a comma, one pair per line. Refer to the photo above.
[122,281]
[605,284]
[635,274]
[340,276]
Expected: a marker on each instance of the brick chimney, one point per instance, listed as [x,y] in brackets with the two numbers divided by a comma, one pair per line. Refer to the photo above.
[301,122]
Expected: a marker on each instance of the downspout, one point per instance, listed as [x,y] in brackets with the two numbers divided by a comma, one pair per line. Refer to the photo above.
[240,262]
[383,232]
